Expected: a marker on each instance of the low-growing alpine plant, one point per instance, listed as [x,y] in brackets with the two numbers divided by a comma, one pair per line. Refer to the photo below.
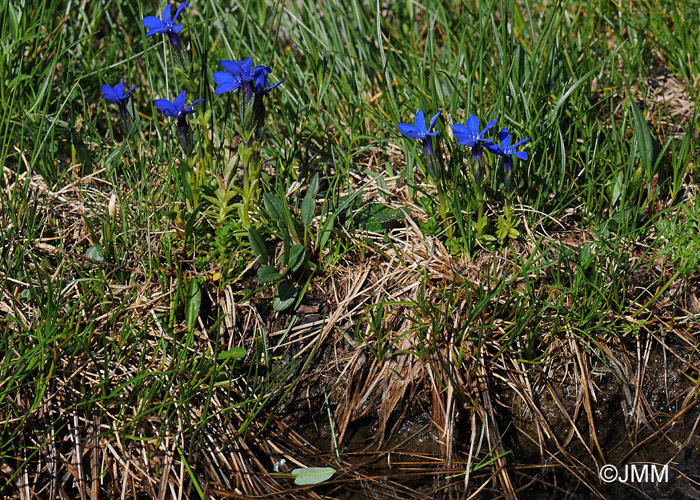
[470,136]
[251,85]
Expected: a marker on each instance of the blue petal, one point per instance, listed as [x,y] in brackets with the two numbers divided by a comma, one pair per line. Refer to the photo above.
[410,131]
[488,127]
[180,8]
[227,87]
[420,123]
[520,154]
[167,108]
[109,94]
[275,85]
[246,64]
[504,137]
[179,101]
[189,109]
[260,70]
[176,28]
[119,90]
[130,91]
[473,125]
[161,30]
[520,142]
[154,25]
[166,13]
[223,77]
[433,120]
[463,135]
[230,66]
[494,149]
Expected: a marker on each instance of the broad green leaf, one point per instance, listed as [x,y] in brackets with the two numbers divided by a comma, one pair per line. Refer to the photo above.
[192,304]
[312,475]
[275,207]
[313,186]
[268,274]
[258,246]
[552,115]
[377,217]
[95,252]
[285,296]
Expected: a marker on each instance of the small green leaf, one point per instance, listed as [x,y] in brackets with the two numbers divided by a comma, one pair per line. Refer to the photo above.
[312,475]
[268,274]
[296,257]
[258,245]
[308,209]
[285,296]
[95,252]
[235,354]
[521,66]
[192,304]
[185,174]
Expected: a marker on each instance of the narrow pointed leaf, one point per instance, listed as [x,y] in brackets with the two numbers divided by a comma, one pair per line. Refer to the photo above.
[192,304]
[645,143]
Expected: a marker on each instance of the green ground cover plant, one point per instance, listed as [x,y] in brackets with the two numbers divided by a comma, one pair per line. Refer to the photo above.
[285,250]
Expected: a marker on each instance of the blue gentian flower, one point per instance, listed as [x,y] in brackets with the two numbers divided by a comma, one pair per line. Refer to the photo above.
[117,96]
[253,81]
[507,151]
[420,132]
[242,75]
[469,135]
[177,109]
[236,72]
[259,74]
[166,25]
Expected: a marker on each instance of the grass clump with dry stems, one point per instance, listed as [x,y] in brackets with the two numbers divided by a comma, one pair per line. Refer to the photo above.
[278,279]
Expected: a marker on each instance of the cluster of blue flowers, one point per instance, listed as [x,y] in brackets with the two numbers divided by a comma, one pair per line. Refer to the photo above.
[470,136]
[241,75]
